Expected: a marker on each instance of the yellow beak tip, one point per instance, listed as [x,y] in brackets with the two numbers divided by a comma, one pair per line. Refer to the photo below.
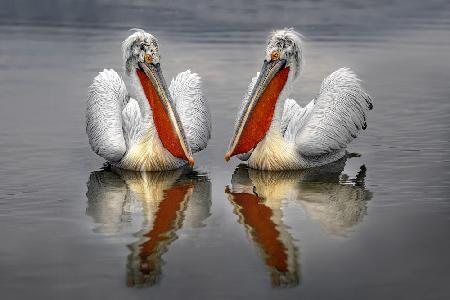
[191,162]
[227,156]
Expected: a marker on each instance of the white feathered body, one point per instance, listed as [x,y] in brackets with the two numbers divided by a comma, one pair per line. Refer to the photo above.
[120,124]
[314,135]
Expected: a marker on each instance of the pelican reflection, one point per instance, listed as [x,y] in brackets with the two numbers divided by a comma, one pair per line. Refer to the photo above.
[326,195]
[168,201]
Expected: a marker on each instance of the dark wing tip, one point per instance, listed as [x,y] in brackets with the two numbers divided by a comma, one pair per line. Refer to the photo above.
[369,103]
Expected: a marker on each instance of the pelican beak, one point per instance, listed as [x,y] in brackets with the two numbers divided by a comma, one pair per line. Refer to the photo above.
[256,117]
[166,119]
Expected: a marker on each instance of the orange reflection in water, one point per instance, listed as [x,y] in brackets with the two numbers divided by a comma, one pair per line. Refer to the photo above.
[168,219]
[264,231]
[165,222]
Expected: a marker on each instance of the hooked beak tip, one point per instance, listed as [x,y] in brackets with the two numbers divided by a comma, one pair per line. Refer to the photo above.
[191,162]
[227,156]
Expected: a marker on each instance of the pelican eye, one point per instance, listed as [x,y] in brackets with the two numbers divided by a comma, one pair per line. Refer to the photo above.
[275,55]
[148,58]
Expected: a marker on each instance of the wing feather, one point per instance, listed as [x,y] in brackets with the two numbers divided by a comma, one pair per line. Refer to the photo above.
[106,99]
[338,114]
[192,108]
[293,118]
[133,125]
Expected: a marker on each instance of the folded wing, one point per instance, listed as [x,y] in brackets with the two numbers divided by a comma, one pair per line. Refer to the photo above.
[192,108]
[335,117]
[106,99]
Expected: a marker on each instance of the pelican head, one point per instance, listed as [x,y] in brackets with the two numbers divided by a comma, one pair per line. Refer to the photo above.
[282,64]
[141,56]
[286,44]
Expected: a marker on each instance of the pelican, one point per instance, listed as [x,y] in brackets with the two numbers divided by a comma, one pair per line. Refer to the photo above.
[273,132]
[148,127]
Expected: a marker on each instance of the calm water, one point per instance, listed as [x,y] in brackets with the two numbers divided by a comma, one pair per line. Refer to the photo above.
[371,227]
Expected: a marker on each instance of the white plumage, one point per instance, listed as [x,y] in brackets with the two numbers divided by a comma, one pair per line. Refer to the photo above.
[106,100]
[119,122]
[314,135]
[334,118]
[192,108]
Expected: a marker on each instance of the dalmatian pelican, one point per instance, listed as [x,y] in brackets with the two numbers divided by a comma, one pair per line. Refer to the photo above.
[147,127]
[273,132]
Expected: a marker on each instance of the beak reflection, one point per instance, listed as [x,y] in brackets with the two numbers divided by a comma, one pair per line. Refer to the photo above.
[168,201]
[325,194]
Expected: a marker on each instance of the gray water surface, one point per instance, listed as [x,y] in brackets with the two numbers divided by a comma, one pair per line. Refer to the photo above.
[375,226]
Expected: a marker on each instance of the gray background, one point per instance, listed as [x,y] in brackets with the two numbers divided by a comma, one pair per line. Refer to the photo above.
[51,50]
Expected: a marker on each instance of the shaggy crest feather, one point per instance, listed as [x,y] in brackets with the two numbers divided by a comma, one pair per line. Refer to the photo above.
[289,43]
